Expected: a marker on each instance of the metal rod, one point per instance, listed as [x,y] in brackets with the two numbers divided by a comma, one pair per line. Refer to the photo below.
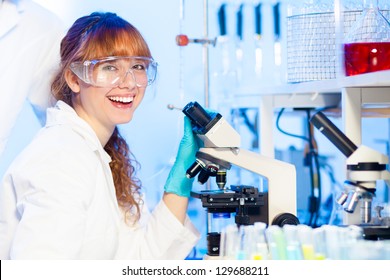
[206,87]
[206,54]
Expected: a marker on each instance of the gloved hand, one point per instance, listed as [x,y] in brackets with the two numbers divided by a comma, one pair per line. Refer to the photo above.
[177,181]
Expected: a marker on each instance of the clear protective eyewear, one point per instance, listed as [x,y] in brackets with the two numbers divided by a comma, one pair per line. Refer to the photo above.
[114,70]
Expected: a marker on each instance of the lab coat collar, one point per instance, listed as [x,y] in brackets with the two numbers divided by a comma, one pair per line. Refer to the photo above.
[10,15]
[62,113]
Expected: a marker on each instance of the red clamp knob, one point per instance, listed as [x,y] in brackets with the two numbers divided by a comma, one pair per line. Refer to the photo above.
[182,40]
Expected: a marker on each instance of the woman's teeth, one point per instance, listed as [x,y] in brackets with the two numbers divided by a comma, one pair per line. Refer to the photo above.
[121,99]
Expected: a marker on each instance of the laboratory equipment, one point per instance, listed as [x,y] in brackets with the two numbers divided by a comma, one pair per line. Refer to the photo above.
[221,221]
[367,44]
[365,167]
[228,247]
[305,236]
[221,149]
[257,244]
[319,241]
[311,44]
[276,242]
[258,40]
[182,40]
[277,44]
[293,246]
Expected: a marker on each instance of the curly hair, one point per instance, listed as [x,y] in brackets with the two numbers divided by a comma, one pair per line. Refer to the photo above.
[94,36]
[127,186]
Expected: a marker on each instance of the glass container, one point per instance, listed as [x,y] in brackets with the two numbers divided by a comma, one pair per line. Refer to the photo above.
[367,44]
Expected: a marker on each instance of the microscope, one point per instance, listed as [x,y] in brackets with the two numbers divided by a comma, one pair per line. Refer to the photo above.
[221,149]
[365,167]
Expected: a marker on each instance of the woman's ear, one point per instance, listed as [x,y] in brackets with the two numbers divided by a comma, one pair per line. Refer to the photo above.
[72,81]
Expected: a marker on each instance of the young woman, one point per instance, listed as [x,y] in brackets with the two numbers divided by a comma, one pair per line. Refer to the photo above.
[72,193]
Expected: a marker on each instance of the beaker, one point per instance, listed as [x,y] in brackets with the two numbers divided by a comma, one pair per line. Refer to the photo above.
[367,44]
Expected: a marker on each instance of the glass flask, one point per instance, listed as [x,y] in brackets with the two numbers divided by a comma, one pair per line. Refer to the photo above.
[367,44]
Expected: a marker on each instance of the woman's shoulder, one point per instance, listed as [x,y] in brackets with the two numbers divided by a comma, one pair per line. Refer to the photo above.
[61,139]
[55,162]
[55,147]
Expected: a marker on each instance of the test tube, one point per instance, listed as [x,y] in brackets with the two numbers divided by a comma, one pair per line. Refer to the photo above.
[336,242]
[229,242]
[276,242]
[319,241]
[252,244]
[293,248]
[260,250]
[244,236]
[332,242]
[369,250]
[305,235]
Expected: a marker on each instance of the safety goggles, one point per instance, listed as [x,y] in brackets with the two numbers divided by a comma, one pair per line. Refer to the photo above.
[116,70]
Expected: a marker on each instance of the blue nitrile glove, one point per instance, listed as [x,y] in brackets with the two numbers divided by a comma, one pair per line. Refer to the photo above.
[177,181]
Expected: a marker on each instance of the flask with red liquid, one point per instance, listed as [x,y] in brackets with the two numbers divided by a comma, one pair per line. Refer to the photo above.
[367,45]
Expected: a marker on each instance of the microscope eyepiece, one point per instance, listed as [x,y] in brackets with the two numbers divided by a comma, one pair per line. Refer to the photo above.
[338,138]
[197,114]
[201,120]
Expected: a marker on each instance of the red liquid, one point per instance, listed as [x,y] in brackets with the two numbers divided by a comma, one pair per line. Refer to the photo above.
[366,57]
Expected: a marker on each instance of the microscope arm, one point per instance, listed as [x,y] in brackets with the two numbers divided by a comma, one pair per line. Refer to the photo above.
[281,176]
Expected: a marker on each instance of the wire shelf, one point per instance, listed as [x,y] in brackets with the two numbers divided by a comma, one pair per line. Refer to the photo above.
[311,45]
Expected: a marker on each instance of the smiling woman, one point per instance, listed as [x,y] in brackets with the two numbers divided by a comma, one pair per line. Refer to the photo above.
[72,193]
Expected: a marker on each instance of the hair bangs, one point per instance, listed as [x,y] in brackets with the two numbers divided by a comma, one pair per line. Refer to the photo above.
[115,41]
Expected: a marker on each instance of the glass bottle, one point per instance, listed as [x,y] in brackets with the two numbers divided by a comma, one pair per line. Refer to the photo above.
[367,44]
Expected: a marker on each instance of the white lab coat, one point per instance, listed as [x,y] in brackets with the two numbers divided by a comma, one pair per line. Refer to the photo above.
[29,52]
[57,201]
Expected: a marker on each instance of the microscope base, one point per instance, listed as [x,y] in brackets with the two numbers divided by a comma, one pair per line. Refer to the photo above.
[376,232]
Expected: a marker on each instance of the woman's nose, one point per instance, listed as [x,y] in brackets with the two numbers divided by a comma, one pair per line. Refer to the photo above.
[128,80]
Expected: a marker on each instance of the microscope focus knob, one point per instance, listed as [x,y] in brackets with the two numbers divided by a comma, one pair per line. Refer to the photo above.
[285,219]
